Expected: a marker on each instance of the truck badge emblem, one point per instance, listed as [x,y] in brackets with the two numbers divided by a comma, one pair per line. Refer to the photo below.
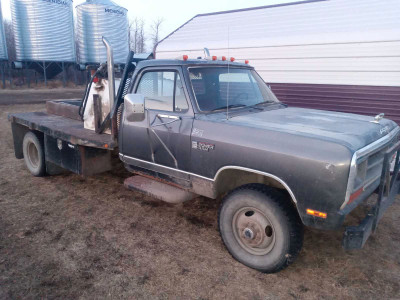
[378,118]
[202,146]
[197,132]
[385,129]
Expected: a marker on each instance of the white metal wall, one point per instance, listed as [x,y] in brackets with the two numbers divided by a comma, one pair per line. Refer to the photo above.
[352,42]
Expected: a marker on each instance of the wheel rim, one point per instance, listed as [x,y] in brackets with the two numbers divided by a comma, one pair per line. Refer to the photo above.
[33,155]
[253,231]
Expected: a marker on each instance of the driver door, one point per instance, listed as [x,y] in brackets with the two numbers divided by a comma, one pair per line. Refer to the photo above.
[163,138]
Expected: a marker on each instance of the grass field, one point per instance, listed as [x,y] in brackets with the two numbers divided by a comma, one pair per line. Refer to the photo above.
[73,237]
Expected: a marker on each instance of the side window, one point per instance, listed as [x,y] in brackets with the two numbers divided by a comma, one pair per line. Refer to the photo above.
[158,89]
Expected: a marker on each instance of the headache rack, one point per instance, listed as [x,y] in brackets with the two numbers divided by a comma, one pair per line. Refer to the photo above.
[111,120]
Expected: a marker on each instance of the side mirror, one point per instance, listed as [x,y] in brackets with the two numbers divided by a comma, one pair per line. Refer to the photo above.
[134,109]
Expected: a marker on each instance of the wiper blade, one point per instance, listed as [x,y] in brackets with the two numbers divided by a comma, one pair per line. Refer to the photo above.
[229,106]
[265,102]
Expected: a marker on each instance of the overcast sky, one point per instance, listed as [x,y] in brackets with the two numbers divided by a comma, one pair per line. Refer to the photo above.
[174,12]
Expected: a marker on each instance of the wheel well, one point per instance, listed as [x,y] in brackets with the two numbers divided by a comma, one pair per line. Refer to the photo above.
[19,132]
[231,178]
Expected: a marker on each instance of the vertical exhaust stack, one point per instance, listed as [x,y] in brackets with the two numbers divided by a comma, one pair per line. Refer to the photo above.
[110,71]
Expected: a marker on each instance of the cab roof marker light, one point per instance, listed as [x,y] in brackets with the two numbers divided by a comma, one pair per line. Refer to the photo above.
[232,59]
[246,61]
[183,57]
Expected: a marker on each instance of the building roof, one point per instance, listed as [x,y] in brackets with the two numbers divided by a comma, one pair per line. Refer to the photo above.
[307,22]
[240,10]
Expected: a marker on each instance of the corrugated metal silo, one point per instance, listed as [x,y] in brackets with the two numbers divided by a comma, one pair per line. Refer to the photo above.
[97,18]
[3,45]
[44,30]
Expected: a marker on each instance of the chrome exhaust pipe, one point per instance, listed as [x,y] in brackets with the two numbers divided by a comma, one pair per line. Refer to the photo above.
[110,70]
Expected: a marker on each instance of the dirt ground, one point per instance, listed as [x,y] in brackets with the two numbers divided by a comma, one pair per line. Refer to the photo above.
[26,96]
[90,238]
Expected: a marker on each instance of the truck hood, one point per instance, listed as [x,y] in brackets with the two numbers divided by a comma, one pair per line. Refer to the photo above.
[350,130]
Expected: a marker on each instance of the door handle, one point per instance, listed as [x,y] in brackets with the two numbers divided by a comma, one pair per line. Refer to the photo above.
[168,117]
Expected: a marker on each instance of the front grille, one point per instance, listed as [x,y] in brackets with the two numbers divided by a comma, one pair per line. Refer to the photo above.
[369,169]
[367,165]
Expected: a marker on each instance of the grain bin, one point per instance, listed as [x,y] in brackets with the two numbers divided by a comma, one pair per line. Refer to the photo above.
[97,18]
[44,30]
[3,45]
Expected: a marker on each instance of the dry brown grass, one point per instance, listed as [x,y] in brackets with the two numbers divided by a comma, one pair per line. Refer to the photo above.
[23,85]
[73,237]
[30,96]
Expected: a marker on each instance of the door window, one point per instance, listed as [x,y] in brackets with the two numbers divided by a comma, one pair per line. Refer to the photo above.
[163,91]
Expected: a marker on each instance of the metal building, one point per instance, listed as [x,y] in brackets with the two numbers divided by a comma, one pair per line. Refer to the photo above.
[44,30]
[44,35]
[336,55]
[98,18]
[3,45]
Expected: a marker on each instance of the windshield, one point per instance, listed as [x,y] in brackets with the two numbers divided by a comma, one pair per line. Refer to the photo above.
[220,88]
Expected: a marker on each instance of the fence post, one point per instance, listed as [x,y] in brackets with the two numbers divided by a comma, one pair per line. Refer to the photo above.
[75,77]
[44,74]
[3,77]
[64,78]
[10,74]
[28,75]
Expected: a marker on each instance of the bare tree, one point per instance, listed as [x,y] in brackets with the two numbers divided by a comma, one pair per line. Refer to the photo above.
[155,31]
[10,41]
[137,35]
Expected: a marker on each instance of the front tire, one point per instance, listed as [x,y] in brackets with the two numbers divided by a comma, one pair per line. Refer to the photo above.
[34,154]
[260,228]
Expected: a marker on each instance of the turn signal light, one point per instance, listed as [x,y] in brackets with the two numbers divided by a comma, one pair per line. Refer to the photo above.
[315,213]
[185,57]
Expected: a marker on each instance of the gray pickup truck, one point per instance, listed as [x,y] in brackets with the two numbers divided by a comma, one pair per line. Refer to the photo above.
[212,127]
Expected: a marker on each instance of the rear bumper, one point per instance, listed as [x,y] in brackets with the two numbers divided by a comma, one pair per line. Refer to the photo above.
[355,237]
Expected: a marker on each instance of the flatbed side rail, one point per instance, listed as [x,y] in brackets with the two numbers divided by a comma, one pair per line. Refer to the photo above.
[356,236]
[65,129]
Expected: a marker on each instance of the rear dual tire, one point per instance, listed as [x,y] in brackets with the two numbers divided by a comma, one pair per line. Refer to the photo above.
[33,151]
[261,228]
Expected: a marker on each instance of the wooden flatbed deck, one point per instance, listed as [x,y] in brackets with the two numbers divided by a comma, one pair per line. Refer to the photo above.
[63,128]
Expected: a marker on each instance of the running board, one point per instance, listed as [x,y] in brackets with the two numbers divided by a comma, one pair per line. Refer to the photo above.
[159,190]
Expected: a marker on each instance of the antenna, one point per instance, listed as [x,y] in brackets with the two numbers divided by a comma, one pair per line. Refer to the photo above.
[206,52]
[227,90]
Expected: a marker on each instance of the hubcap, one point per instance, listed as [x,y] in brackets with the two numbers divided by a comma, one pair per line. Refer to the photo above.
[248,234]
[33,155]
[253,231]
